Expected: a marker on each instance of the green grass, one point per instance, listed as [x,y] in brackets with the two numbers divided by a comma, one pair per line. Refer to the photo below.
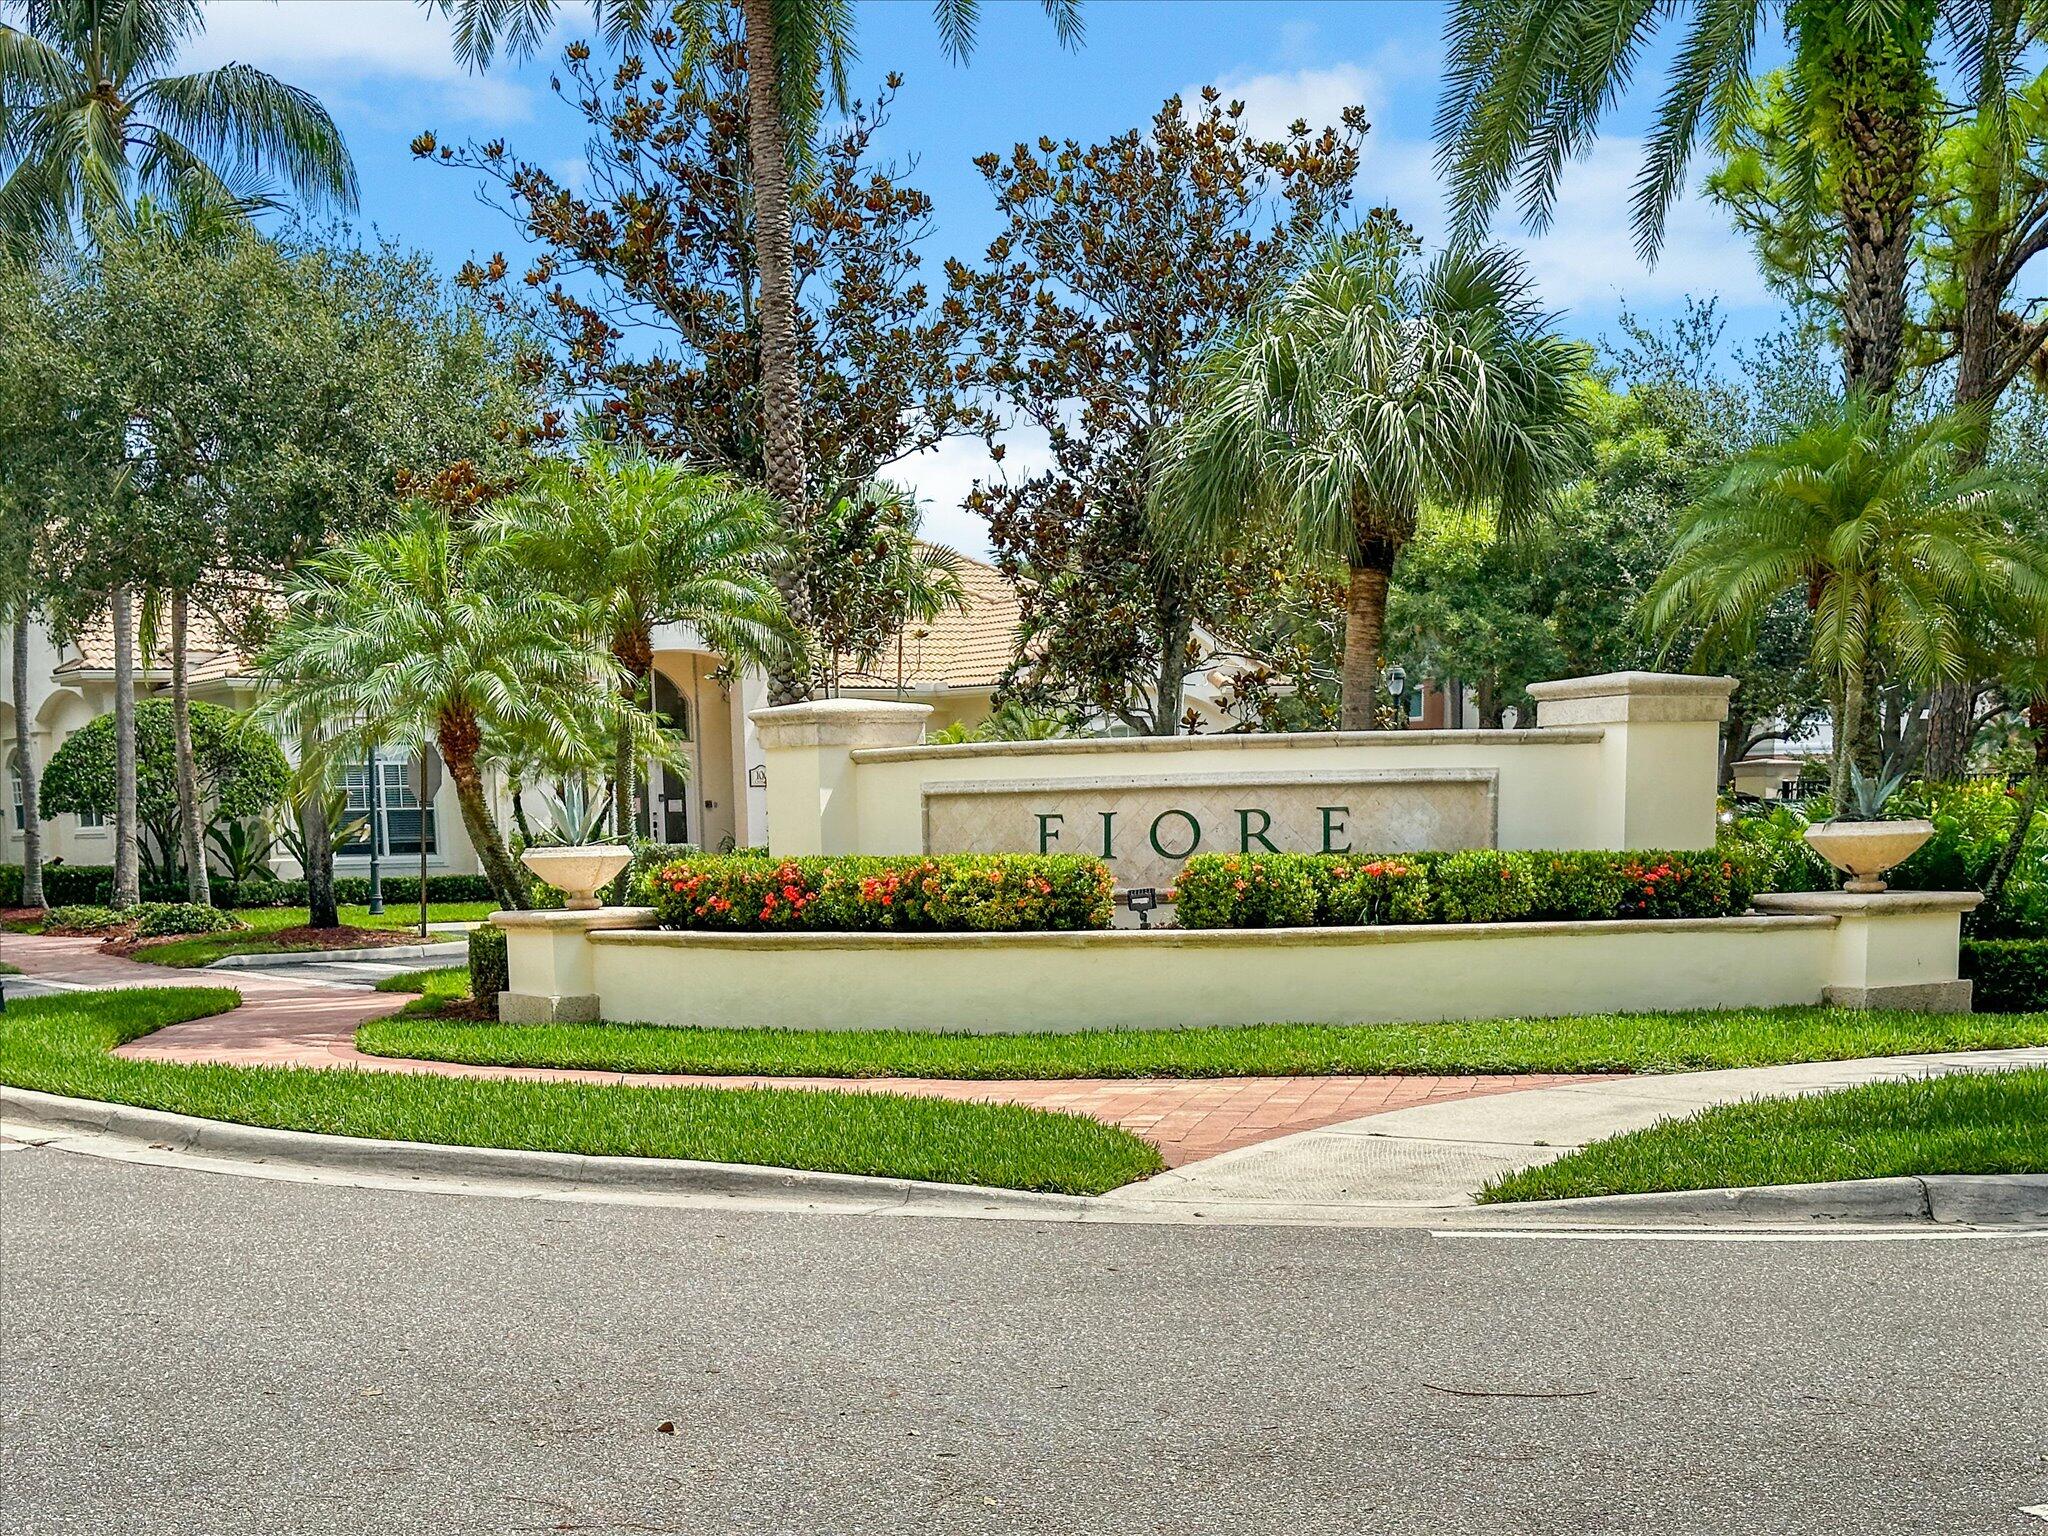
[205,948]
[1994,1122]
[1608,1042]
[434,989]
[61,1044]
[9,970]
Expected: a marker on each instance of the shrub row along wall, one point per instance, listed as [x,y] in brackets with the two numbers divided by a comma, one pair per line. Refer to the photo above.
[2011,974]
[934,893]
[1484,885]
[93,884]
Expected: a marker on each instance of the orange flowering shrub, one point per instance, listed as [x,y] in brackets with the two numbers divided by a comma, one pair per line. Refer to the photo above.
[929,893]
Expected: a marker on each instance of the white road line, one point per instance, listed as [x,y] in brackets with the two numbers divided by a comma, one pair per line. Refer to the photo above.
[1670,1235]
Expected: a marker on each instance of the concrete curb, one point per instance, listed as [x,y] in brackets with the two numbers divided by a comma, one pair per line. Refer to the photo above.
[2012,1202]
[451,950]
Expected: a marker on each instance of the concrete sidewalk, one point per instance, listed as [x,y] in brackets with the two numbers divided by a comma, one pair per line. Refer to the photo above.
[1436,1156]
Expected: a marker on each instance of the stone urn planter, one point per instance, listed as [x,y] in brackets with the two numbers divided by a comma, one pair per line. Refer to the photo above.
[578,871]
[1864,850]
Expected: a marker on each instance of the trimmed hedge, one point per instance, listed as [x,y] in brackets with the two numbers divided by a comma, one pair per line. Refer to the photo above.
[2011,974]
[63,884]
[70,884]
[648,860]
[1479,885]
[166,919]
[932,893]
[488,972]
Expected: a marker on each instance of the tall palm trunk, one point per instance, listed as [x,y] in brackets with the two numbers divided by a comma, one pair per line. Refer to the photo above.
[2030,806]
[459,739]
[317,836]
[191,846]
[127,831]
[1365,623]
[25,760]
[1848,730]
[774,241]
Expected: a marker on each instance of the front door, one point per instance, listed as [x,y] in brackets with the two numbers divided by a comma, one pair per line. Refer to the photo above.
[671,786]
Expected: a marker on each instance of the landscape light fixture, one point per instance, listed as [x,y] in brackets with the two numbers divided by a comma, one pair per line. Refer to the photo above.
[1397,681]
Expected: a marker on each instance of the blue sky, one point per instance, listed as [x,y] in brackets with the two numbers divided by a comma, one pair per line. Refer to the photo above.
[384,68]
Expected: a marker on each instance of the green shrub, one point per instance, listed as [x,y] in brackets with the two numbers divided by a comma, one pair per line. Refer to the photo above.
[1249,890]
[1773,848]
[2011,974]
[488,972]
[87,918]
[63,884]
[647,859]
[1478,885]
[931,893]
[1482,885]
[163,919]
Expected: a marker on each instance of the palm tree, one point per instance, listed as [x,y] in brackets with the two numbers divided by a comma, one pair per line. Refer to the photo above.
[1368,386]
[1527,82]
[94,122]
[1896,553]
[638,541]
[395,635]
[794,50]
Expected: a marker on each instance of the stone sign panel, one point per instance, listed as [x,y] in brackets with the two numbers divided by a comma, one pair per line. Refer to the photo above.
[1147,828]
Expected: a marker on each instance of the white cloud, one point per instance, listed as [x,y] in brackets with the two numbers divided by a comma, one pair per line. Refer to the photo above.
[941,477]
[345,43]
[1278,98]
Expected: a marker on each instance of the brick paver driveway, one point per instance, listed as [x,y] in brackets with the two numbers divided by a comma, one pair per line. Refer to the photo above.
[287,1022]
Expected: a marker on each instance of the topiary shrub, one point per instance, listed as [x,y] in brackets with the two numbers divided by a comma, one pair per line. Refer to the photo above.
[1682,883]
[164,919]
[1482,885]
[1580,885]
[1394,889]
[648,860]
[932,893]
[488,972]
[2011,974]
[1248,890]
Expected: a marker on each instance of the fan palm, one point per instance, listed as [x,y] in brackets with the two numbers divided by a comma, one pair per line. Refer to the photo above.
[1898,556]
[794,50]
[1368,386]
[92,121]
[395,635]
[638,541]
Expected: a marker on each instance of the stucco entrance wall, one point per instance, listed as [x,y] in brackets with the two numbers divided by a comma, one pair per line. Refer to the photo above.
[1624,760]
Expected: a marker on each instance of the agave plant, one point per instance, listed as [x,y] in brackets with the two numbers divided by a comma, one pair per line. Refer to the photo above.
[1869,794]
[570,817]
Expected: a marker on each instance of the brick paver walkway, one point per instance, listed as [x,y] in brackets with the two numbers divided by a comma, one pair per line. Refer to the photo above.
[283,1022]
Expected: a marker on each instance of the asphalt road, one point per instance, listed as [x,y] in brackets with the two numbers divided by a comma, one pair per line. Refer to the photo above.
[194,1354]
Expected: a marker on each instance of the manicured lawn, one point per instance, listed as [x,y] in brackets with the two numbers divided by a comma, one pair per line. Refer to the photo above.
[1994,1122]
[9,970]
[203,949]
[1646,1042]
[435,989]
[61,1044]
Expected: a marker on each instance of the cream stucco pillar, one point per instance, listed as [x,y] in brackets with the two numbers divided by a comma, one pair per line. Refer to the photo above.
[1660,757]
[1892,949]
[813,806]
[548,964]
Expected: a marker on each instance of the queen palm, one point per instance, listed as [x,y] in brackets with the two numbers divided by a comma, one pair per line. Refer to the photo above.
[395,636]
[1368,387]
[638,541]
[1898,556]
[794,49]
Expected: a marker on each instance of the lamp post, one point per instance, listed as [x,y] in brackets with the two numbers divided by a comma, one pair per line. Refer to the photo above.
[1397,685]
[376,837]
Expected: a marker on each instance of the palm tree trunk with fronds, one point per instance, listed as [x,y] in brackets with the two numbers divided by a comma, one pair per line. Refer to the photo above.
[190,847]
[459,740]
[1882,124]
[25,762]
[127,828]
[317,838]
[1848,733]
[2030,804]
[774,241]
[1365,623]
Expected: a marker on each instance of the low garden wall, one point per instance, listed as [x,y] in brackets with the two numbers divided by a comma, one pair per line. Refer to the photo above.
[1893,950]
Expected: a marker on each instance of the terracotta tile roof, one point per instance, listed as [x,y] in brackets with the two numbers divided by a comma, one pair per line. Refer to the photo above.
[970,649]
[213,656]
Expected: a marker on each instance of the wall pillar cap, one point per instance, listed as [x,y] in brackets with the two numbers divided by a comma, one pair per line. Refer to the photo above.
[841,723]
[1616,698]
[558,920]
[1876,904]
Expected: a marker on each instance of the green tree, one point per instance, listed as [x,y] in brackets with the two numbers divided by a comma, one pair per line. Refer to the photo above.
[241,773]
[400,637]
[1895,553]
[95,122]
[637,541]
[1527,83]
[1371,384]
[796,52]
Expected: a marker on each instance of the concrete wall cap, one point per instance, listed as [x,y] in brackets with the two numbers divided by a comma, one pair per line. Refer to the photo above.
[1880,904]
[1376,741]
[1610,684]
[841,723]
[555,919]
[1203,938]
